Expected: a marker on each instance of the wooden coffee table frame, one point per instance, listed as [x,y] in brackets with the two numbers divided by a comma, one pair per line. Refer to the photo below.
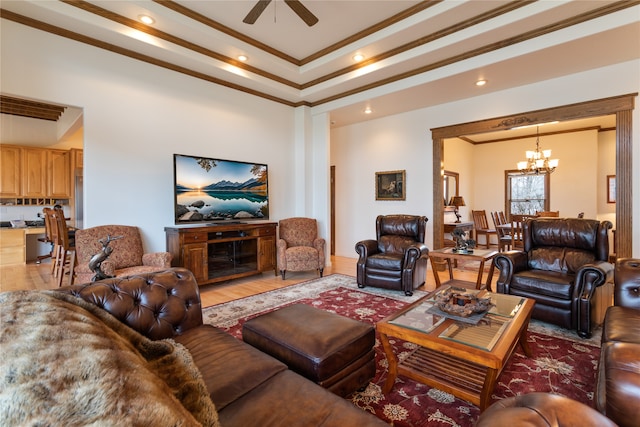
[467,372]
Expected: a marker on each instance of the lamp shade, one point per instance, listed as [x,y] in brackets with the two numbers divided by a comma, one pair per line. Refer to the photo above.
[457,201]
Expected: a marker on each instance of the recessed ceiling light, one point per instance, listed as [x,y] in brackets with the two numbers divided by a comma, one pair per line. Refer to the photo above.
[146,19]
[358,57]
[368,110]
[481,82]
[242,58]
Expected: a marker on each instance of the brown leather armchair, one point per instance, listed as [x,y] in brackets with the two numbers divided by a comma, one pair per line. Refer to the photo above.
[618,386]
[397,259]
[564,260]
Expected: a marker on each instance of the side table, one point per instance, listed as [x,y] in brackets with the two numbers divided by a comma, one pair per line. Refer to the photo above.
[448,256]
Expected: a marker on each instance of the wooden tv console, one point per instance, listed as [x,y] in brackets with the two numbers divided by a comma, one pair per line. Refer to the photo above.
[223,251]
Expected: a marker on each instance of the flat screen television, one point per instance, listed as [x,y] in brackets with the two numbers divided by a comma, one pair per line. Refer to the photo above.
[212,190]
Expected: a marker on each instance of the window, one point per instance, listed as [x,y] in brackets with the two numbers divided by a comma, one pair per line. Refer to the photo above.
[526,193]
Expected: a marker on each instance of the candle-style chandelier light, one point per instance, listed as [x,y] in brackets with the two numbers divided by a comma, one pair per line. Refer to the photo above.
[538,161]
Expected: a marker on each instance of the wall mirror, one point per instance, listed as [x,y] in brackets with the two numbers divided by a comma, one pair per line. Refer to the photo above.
[450,185]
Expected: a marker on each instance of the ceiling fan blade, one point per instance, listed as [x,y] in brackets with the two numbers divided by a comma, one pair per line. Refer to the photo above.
[304,13]
[256,11]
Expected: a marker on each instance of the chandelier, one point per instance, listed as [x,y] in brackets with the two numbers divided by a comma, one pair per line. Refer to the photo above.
[538,162]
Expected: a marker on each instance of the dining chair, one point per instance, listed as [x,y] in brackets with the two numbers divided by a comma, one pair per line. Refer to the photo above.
[482,227]
[504,238]
[548,214]
[517,221]
[503,217]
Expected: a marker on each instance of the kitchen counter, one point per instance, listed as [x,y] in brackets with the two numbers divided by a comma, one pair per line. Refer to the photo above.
[13,244]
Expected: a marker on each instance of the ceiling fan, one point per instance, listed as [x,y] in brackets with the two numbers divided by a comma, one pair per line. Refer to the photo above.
[295,5]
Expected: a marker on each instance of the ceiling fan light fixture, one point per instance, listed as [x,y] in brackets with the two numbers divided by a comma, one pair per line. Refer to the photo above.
[146,19]
[298,8]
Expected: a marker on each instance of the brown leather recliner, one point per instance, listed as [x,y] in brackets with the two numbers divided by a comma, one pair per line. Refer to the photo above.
[397,259]
[564,260]
[618,386]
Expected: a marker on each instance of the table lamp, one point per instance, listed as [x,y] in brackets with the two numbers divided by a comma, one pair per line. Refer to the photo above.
[456,202]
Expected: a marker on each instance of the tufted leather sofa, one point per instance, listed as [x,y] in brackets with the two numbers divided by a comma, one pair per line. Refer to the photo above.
[247,386]
[397,259]
[563,261]
[618,386]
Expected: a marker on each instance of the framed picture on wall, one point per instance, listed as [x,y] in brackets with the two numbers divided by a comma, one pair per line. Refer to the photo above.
[611,188]
[390,185]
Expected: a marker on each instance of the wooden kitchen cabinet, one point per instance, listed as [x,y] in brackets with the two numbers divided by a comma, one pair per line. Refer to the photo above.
[77,158]
[59,171]
[12,246]
[34,172]
[220,252]
[10,171]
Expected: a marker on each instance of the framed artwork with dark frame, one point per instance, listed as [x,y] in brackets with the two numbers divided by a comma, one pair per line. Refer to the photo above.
[390,185]
[611,188]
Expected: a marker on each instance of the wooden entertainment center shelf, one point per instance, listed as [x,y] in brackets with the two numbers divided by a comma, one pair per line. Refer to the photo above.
[223,251]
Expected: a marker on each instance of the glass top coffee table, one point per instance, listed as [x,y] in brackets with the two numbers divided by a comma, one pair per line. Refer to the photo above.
[455,356]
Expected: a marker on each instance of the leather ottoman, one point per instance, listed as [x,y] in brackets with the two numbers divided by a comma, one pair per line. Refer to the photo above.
[331,350]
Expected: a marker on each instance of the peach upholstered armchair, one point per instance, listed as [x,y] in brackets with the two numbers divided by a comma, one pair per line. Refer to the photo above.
[127,257]
[299,247]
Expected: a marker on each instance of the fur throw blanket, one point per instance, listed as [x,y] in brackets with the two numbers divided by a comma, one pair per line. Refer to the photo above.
[66,362]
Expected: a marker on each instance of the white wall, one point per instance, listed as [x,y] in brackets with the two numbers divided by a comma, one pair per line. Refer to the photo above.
[572,184]
[358,152]
[136,116]
[404,141]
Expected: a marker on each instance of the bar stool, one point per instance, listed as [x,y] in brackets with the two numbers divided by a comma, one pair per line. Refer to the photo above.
[52,227]
[47,237]
[66,256]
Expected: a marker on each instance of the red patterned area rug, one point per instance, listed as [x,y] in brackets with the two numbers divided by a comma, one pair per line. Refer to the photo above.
[561,363]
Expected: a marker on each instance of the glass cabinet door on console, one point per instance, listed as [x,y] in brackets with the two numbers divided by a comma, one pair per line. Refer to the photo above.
[232,257]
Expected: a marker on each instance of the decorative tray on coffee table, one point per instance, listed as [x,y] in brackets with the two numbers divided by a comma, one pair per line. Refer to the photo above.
[461,304]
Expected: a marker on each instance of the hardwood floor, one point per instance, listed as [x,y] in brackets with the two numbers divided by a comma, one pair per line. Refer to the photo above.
[38,276]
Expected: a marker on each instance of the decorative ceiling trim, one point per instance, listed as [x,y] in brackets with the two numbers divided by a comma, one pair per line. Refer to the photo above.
[132,23]
[31,109]
[371,30]
[135,55]
[533,135]
[614,7]
[593,14]
[422,40]
[170,4]
[580,110]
